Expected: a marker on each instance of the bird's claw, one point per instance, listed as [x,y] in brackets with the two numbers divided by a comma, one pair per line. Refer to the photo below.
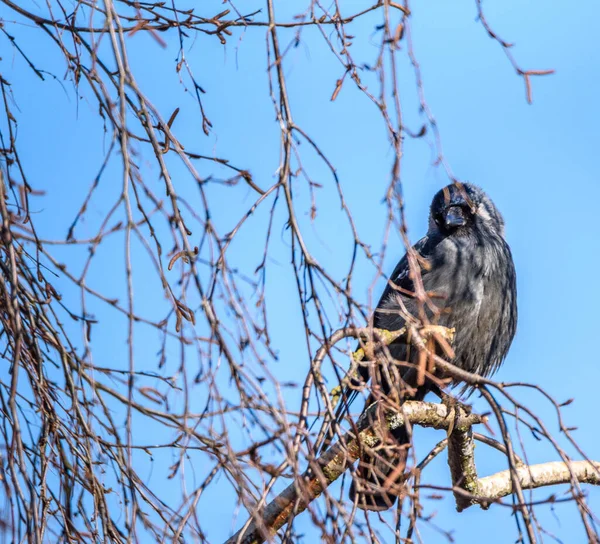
[454,408]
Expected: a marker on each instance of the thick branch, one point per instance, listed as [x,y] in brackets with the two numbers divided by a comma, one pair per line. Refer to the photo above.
[469,489]
[533,476]
[332,464]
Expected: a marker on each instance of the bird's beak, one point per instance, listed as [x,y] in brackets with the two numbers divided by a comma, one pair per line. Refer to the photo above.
[455,217]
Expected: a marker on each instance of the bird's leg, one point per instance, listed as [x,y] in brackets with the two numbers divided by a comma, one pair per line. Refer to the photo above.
[436,390]
[426,340]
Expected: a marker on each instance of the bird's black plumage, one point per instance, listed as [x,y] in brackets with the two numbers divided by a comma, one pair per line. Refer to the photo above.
[468,271]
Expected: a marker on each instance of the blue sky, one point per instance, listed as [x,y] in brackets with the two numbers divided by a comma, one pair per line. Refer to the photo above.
[538,162]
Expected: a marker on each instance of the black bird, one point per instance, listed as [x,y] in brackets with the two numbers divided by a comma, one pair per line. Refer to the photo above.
[468,272]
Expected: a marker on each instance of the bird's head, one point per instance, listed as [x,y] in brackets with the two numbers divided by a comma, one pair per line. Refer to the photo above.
[461,208]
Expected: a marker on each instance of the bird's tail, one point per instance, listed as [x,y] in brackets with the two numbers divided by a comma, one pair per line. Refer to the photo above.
[381,473]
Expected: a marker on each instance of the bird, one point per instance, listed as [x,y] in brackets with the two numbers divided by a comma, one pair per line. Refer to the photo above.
[467,270]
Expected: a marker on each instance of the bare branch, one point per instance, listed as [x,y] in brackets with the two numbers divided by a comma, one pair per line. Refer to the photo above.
[496,486]
[332,464]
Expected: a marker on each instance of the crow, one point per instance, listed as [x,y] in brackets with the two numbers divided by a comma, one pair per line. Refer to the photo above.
[468,272]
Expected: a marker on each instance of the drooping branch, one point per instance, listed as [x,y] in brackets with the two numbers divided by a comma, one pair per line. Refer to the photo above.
[461,460]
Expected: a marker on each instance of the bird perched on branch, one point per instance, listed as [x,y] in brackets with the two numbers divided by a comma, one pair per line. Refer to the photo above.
[467,282]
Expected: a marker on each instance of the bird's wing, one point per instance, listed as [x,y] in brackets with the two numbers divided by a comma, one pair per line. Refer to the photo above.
[400,279]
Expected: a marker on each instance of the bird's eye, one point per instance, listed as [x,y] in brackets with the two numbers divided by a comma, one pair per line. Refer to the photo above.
[439,219]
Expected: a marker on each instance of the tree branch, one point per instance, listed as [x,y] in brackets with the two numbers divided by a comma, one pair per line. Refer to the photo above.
[468,488]
[499,485]
[334,462]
